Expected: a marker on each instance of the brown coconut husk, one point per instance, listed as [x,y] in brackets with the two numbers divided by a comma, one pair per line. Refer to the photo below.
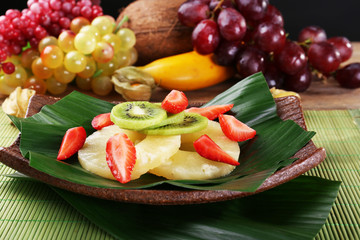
[157,28]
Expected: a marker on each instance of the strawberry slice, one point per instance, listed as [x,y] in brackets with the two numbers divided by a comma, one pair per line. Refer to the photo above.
[101,121]
[211,112]
[72,142]
[208,149]
[120,156]
[235,129]
[175,102]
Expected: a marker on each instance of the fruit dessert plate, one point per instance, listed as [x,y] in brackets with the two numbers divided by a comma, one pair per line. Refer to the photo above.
[280,151]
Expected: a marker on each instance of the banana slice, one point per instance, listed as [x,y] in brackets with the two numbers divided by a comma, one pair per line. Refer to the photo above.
[188,164]
[151,151]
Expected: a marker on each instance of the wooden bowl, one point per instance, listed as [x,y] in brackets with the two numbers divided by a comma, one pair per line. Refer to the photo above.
[288,108]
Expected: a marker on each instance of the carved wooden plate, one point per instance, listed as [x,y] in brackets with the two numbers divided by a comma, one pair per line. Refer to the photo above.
[288,108]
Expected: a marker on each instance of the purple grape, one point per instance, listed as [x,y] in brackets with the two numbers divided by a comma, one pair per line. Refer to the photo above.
[269,37]
[324,57]
[206,37]
[274,77]
[349,76]
[232,24]
[226,52]
[273,15]
[291,58]
[192,12]
[298,82]
[314,34]
[343,45]
[250,60]
[252,10]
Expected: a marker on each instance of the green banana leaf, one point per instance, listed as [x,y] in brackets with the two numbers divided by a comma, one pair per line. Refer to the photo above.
[275,143]
[295,210]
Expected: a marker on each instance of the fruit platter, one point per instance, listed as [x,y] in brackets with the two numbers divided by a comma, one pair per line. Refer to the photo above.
[102,131]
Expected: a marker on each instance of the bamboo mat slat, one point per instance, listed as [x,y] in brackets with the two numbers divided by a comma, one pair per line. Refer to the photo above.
[339,133]
[31,210]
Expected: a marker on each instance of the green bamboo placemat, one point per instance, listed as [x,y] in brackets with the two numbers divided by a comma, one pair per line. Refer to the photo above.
[30,210]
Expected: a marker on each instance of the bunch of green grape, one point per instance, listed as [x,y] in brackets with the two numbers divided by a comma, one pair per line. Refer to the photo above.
[87,54]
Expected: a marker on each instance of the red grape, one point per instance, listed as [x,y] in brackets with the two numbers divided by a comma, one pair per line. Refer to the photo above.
[191,13]
[298,82]
[312,33]
[8,67]
[252,10]
[226,52]
[274,77]
[206,37]
[324,57]
[232,24]
[250,60]
[343,45]
[225,4]
[349,76]
[269,37]
[273,15]
[291,58]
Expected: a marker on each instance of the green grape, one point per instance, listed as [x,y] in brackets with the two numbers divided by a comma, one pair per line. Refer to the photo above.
[103,52]
[66,41]
[114,40]
[91,30]
[77,23]
[62,75]
[36,84]
[15,59]
[90,68]
[133,56]
[127,37]
[28,56]
[104,24]
[40,70]
[83,83]
[101,85]
[85,42]
[47,41]
[55,87]
[4,88]
[122,59]
[75,61]
[52,56]
[107,68]
[17,78]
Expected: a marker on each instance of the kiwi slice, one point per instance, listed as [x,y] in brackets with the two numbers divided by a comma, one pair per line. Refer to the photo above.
[192,122]
[137,115]
[171,118]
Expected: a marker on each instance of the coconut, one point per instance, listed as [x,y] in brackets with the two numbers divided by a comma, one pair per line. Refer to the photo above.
[157,28]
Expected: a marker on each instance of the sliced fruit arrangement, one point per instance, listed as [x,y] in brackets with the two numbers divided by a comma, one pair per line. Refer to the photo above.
[139,137]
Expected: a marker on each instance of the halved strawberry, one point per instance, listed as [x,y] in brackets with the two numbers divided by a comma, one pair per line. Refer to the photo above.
[72,142]
[235,129]
[101,121]
[175,102]
[120,156]
[208,149]
[211,112]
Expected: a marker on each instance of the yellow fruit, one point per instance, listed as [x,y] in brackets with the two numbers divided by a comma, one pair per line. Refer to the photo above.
[92,156]
[151,151]
[188,164]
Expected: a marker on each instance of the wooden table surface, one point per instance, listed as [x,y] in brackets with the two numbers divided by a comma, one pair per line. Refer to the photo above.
[320,95]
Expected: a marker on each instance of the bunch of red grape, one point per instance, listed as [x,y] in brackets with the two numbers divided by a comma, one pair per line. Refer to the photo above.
[250,35]
[42,18]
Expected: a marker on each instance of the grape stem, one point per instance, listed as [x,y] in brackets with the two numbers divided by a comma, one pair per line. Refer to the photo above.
[123,20]
[218,6]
